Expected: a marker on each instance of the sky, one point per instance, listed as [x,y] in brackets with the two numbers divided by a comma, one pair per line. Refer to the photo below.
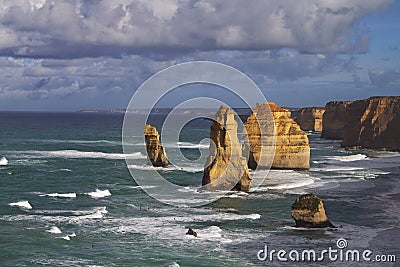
[67,55]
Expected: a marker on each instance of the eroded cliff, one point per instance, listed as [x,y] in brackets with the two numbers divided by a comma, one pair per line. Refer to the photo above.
[292,150]
[373,123]
[226,168]
[309,119]
[334,119]
[155,151]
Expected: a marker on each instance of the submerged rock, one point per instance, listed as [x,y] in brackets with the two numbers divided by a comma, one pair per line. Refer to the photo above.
[334,119]
[308,211]
[226,168]
[309,119]
[292,150]
[373,123]
[191,232]
[155,151]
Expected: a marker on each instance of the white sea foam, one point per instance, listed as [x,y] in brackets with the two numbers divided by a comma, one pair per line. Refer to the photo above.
[99,193]
[208,233]
[350,172]
[97,214]
[210,217]
[142,186]
[178,145]
[191,145]
[62,195]
[237,195]
[287,179]
[349,158]
[66,170]
[54,230]
[174,264]
[292,185]
[66,237]
[60,216]
[151,224]
[82,154]
[76,141]
[146,167]
[27,161]
[171,226]
[339,169]
[71,213]
[24,204]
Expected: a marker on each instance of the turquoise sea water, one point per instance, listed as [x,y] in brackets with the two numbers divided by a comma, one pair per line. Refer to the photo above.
[68,199]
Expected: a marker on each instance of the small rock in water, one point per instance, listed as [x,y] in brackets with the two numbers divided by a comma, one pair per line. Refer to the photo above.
[191,232]
[308,211]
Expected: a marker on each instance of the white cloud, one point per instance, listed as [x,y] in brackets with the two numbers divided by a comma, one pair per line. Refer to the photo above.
[67,28]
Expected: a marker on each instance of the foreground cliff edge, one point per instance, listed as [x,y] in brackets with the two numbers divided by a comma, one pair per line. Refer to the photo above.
[155,151]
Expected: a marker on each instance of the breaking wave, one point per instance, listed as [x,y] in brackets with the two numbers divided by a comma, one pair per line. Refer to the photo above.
[99,193]
[349,158]
[23,204]
[82,154]
[3,161]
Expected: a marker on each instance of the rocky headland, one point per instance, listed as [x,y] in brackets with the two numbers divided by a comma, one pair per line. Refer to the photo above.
[373,123]
[309,119]
[334,119]
[155,151]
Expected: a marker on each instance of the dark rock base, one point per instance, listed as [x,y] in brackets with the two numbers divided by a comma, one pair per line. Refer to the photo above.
[326,224]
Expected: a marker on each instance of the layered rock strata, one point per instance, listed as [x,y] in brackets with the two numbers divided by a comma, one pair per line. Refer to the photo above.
[308,211]
[226,168]
[373,123]
[334,119]
[292,150]
[309,119]
[155,151]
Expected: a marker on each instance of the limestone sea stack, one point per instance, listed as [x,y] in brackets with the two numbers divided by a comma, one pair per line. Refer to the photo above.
[308,211]
[155,151]
[226,168]
[309,119]
[373,123]
[292,150]
[334,119]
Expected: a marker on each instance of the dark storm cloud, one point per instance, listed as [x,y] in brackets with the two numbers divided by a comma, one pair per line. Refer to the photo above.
[384,77]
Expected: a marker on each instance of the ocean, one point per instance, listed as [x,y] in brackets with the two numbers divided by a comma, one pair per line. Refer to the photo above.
[68,199]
